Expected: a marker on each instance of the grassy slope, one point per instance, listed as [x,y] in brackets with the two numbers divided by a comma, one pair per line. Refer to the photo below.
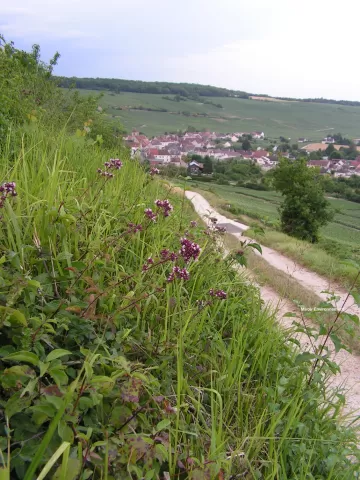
[290,119]
[227,381]
[341,241]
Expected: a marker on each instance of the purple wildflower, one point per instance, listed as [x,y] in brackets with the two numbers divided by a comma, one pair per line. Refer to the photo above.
[165,205]
[219,294]
[189,250]
[220,229]
[154,171]
[193,224]
[7,189]
[150,214]
[180,273]
[149,261]
[113,163]
[135,228]
[167,255]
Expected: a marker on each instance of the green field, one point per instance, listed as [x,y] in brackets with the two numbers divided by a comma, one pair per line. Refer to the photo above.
[290,119]
[344,229]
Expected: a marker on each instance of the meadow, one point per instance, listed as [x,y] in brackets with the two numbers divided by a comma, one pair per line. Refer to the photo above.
[339,242]
[131,347]
[290,119]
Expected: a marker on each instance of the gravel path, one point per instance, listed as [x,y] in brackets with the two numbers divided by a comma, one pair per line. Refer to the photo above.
[349,377]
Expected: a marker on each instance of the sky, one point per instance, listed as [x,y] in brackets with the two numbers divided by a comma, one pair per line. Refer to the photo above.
[285,48]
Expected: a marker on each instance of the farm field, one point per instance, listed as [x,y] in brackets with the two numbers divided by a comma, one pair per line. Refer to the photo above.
[344,230]
[290,119]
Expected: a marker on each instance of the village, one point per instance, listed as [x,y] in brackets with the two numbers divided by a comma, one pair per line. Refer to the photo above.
[175,149]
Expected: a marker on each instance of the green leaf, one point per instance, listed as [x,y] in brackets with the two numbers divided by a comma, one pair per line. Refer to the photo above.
[256,246]
[163,424]
[149,475]
[15,317]
[51,462]
[57,353]
[23,356]
[337,342]
[59,376]
[72,470]
[34,283]
[4,473]
[304,357]
[43,368]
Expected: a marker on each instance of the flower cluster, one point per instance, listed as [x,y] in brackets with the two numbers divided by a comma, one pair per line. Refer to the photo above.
[113,163]
[149,261]
[154,171]
[165,205]
[193,224]
[218,293]
[150,214]
[220,229]
[189,250]
[7,189]
[178,272]
[167,255]
[135,228]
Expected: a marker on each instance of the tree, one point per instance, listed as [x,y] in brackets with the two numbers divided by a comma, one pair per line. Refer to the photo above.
[329,149]
[246,145]
[208,166]
[305,208]
[335,155]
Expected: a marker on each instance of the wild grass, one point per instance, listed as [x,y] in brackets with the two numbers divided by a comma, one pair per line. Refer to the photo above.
[328,258]
[108,370]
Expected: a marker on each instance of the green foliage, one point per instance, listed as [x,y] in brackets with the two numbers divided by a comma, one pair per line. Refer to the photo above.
[181,91]
[108,370]
[29,95]
[305,208]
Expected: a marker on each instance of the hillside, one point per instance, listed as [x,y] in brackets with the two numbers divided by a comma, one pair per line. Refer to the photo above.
[290,119]
[132,346]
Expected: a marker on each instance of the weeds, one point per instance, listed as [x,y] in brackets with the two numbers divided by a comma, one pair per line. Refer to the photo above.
[130,349]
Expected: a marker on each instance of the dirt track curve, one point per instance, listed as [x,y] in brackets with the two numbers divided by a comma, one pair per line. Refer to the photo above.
[349,377]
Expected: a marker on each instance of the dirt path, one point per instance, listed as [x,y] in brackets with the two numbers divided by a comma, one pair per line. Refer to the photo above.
[350,364]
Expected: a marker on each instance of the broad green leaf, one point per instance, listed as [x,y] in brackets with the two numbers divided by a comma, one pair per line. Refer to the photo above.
[163,424]
[43,368]
[304,357]
[256,246]
[57,353]
[23,356]
[14,317]
[59,376]
[337,342]
[72,470]
[150,475]
[4,473]
[34,283]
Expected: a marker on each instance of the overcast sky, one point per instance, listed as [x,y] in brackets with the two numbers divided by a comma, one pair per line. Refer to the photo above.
[306,48]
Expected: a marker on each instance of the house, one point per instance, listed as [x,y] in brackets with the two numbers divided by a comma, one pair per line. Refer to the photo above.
[234,139]
[319,163]
[163,155]
[195,168]
[257,135]
[328,140]
[302,140]
[227,145]
[259,154]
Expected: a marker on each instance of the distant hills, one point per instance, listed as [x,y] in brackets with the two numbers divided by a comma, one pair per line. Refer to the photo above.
[188,90]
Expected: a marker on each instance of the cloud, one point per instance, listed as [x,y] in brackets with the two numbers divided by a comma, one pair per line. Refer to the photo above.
[278,47]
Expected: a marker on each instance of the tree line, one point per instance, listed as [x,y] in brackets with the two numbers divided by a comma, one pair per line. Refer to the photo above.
[187,90]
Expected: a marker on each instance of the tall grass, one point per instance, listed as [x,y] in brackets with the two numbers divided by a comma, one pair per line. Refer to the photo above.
[132,375]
